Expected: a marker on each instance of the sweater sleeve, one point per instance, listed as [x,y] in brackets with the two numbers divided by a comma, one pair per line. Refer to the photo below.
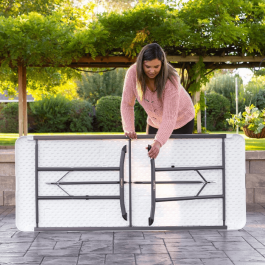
[170,114]
[128,101]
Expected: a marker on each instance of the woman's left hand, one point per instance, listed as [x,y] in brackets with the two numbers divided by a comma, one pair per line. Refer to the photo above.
[153,153]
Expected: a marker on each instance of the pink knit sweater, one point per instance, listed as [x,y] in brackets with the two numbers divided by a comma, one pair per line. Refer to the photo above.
[174,111]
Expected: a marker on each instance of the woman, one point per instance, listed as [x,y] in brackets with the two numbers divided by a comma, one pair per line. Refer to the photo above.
[155,84]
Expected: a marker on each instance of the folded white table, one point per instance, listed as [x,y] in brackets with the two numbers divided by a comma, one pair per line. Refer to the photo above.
[74,183]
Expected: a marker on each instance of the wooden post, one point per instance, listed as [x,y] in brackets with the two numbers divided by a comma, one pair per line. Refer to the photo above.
[196,99]
[22,97]
[25,112]
[199,114]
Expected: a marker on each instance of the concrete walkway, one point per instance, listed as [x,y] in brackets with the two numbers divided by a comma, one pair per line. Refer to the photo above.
[209,247]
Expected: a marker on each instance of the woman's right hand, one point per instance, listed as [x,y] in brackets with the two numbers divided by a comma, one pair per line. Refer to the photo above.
[131,135]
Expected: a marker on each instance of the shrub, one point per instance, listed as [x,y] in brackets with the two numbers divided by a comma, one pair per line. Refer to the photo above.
[81,116]
[51,114]
[217,111]
[260,99]
[9,118]
[108,114]
[140,117]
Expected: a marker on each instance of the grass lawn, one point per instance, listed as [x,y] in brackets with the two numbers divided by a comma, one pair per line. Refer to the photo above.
[251,143]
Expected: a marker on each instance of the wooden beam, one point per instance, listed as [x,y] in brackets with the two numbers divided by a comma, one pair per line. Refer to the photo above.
[106,59]
[221,65]
[215,59]
[22,98]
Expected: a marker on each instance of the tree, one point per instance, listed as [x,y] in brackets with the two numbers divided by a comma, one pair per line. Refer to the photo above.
[254,90]
[198,28]
[40,23]
[223,83]
[93,86]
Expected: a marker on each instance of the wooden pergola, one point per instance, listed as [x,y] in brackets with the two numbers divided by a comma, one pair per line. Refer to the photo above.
[211,62]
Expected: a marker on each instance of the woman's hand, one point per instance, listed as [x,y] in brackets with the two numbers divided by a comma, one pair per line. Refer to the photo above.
[153,153]
[131,135]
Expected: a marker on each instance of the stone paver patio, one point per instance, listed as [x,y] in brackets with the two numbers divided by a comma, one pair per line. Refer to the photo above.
[209,247]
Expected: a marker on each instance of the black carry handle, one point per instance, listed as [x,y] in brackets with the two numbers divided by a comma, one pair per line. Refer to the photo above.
[153,189]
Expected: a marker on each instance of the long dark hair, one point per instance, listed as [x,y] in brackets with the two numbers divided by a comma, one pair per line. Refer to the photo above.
[148,53]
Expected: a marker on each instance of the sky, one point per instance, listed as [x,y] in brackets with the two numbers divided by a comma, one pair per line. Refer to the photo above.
[246,74]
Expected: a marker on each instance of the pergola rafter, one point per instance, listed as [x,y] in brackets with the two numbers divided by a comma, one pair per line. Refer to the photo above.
[211,62]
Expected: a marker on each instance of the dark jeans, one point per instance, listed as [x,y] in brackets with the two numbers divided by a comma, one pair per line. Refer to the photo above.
[186,129]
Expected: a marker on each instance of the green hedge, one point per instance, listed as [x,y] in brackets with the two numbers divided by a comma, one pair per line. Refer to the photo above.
[59,114]
[81,117]
[108,114]
[140,117]
[9,118]
[217,111]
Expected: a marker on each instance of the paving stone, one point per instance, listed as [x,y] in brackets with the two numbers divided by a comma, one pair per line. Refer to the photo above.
[205,233]
[145,249]
[187,262]
[8,226]
[91,259]
[234,233]
[261,251]
[16,240]
[187,244]
[249,263]
[167,236]
[154,259]
[70,252]
[158,241]
[59,261]
[128,235]
[248,255]
[173,247]
[182,240]
[126,248]
[120,259]
[20,260]
[43,245]
[14,247]
[68,244]
[104,247]
[253,242]
[97,236]
[25,234]
[224,261]
[6,234]
[183,232]
[12,254]
[232,246]
[218,239]
[57,236]
[197,254]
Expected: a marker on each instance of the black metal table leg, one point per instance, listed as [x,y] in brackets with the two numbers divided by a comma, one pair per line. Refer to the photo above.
[124,214]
